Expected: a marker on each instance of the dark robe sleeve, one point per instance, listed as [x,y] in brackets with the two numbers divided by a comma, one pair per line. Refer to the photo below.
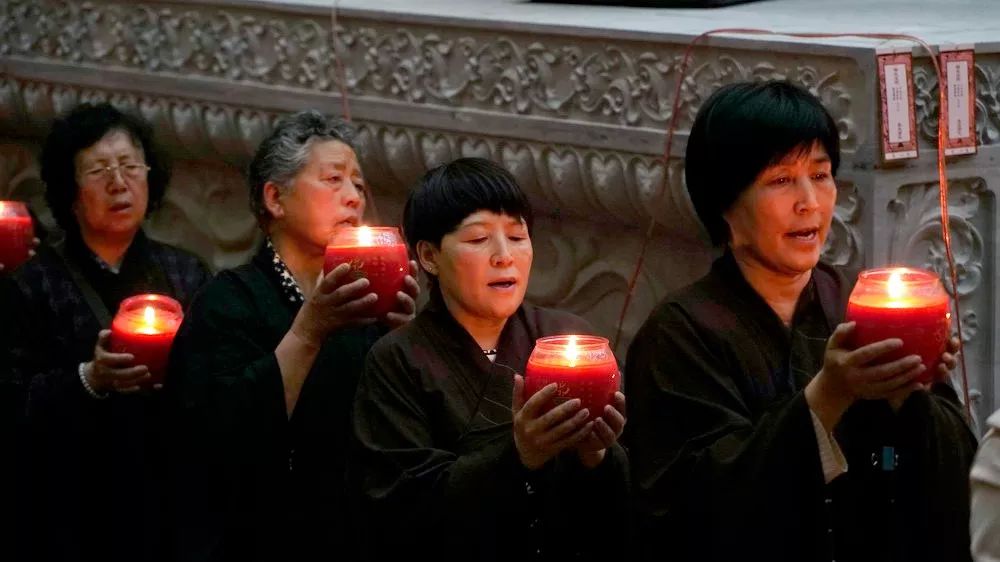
[413,487]
[227,394]
[706,476]
[408,484]
[937,449]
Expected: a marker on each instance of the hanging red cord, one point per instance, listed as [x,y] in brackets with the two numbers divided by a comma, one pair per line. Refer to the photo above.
[941,164]
[345,103]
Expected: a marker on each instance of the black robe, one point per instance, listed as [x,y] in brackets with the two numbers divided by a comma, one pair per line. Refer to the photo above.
[90,472]
[724,455]
[435,461]
[250,483]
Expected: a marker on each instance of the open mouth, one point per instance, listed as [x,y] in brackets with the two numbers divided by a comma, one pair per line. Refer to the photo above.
[503,283]
[804,235]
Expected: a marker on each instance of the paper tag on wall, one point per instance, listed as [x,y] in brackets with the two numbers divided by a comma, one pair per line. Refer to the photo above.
[958,66]
[899,120]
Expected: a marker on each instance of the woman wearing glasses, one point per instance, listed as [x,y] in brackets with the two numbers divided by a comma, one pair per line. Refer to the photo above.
[90,425]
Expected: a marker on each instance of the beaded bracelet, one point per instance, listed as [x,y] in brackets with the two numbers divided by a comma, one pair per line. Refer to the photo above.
[82,371]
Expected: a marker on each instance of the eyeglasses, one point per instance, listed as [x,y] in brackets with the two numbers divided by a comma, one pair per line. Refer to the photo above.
[105,174]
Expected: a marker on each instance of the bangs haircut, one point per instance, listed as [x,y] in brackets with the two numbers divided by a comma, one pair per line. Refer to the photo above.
[740,131]
[449,193]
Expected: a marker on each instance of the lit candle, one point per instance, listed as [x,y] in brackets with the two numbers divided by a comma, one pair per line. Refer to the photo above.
[905,303]
[376,253]
[582,366]
[145,326]
[17,232]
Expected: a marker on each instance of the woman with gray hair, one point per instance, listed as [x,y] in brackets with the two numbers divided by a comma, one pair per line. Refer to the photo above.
[264,369]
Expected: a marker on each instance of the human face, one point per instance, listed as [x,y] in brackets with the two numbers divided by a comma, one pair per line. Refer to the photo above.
[482,266]
[781,221]
[326,194]
[111,205]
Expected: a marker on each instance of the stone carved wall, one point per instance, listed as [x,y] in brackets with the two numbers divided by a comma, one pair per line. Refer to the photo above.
[916,240]
[560,77]
[925,85]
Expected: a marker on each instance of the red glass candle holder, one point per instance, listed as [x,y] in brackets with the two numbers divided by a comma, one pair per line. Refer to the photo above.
[17,231]
[145,326]
[376,253]
[905,303]
[582,366]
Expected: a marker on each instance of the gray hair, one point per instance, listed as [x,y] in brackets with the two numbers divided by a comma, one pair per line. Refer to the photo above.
[285,151]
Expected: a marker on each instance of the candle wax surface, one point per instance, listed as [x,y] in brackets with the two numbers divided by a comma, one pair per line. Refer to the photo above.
[385,267]
[594,384]
[922,324]
[16,235]
[149,342]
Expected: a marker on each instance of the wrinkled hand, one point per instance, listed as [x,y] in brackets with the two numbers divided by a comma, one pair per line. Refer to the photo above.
[607,429]
[115,371]
[407,300]
[857,374]
[540,435]
[336,303]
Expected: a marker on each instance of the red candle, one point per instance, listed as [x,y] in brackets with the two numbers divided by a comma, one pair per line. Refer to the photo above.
[905,303]
[376,253]
[145,326]
[16,234]
[582,366]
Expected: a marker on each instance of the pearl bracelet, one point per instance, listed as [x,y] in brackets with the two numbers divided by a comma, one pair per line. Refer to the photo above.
[82,371]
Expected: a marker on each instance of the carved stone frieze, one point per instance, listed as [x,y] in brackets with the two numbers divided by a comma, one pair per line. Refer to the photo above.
[925,85]
[844,247]
[916,240]
[605,186]
[628,84]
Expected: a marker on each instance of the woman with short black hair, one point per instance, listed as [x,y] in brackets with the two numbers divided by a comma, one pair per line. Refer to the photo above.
[757,433]
[92,427]
[451,460]
[264,369]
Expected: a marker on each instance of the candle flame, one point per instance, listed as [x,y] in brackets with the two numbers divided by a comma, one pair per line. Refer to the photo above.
[365,236]
[149,316]
[572,352]
[895,287]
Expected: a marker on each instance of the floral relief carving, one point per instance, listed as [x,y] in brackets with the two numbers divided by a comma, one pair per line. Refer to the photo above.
[917,239]
[630,84]
[844,247]
[987,74]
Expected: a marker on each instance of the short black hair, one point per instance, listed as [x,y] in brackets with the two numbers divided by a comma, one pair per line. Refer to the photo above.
[449,193]
[281,156]
[81,128]
[741,130]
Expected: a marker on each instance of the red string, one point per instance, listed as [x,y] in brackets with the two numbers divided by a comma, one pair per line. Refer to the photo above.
[941,164]
[345,102]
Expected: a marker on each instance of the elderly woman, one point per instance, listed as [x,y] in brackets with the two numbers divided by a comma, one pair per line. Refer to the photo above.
[94,440]
[266,363]
[757,433]
[450,459]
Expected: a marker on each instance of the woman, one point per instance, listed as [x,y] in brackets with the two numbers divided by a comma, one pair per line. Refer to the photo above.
[451,459]
[265,366]
[93,425]
[756,432]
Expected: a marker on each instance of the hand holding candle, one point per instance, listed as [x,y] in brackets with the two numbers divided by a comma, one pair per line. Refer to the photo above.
[905,303]
[17,235]
[377,254]
[144,327]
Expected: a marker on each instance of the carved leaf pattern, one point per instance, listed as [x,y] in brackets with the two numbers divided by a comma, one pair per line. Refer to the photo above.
[844,247]
[925,86]
[630,84]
